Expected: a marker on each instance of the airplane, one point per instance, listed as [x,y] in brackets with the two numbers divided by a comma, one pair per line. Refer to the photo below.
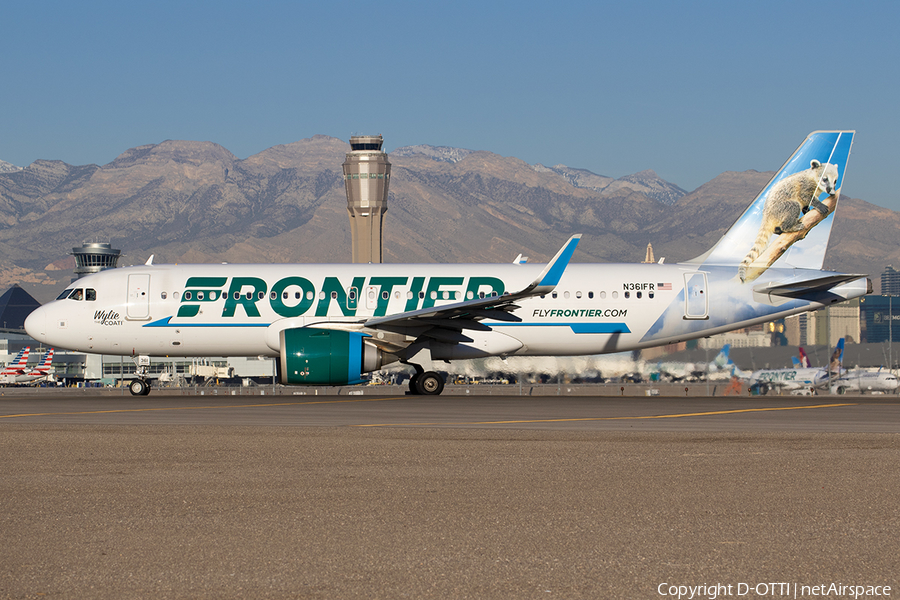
[17,366]
[330,324]
[859,380]
[23,375]
[679,371]
[810,378]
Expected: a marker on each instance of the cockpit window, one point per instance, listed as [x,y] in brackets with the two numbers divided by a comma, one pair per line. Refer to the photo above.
[77,295]
[90,294]
[64,294]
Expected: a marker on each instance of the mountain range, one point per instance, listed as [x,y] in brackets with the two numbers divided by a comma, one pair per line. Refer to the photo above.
[186,201]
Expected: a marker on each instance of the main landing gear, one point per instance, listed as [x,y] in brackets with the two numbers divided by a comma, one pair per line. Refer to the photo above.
[426,383]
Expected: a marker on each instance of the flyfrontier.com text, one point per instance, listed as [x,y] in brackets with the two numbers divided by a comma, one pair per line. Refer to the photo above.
[772,590]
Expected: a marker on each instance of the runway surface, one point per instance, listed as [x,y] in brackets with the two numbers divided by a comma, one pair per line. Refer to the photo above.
[447,497]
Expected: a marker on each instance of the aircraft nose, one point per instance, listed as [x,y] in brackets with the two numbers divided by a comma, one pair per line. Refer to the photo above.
[36,324]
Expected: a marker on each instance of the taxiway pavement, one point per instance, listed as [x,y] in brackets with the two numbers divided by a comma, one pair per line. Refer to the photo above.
[448,497]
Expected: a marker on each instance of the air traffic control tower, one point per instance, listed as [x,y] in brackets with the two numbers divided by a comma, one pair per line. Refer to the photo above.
[94,257]
[367,173]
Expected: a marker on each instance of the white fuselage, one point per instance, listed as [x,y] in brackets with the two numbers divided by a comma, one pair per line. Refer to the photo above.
[867,381]
[791,379]
[239,310]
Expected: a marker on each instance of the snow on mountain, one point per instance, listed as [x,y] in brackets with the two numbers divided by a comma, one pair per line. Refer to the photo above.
[6,167]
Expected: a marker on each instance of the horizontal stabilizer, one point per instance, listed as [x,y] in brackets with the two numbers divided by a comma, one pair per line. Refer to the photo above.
[799,289]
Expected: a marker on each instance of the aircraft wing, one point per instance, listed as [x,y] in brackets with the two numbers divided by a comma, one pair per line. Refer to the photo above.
[468,314]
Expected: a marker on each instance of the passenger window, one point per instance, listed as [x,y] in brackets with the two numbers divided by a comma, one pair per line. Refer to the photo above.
[578,294]
[77,295]
[628,294]
[638,294]
[554,295]
[90,294]
[650,294]
[187,296]
[162,295]
[590,294]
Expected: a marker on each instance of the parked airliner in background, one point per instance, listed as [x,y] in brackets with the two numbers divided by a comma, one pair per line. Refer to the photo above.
[18,371]
[17,366]
[859,380]
[686,371]
[809,378]
[331,324]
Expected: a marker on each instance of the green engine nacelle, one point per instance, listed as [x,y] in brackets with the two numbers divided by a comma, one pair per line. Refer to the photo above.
[325,357]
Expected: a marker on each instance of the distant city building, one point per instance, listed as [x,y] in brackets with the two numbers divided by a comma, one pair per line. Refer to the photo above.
[94,257]
[890,282]
[825,327]
[878,319]
[737,339]
[648,258]
[367,174]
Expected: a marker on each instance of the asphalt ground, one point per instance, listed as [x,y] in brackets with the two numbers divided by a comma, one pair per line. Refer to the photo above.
[448,497]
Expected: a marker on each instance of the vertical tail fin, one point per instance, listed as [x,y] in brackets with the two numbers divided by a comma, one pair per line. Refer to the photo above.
[837,358]
[721,361]
[43,366]
[18,362]
[796,206]
[804,360]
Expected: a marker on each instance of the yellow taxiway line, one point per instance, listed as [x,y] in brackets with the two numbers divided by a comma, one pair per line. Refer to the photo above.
[630,418]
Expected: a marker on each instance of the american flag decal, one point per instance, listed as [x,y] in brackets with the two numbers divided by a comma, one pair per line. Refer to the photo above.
[664,286]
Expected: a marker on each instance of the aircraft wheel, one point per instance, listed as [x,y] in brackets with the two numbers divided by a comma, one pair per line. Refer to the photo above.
[841,390]
[430,383]
[138,387]
[413,385]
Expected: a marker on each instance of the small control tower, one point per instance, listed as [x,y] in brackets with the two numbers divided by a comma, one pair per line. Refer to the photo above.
[367,173]
[94,257]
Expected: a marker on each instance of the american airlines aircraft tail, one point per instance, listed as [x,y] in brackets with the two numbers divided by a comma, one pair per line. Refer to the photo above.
[18,364]
[331,324]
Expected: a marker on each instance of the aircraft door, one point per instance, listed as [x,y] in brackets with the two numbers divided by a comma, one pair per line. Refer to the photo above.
[696,302]
[138,307]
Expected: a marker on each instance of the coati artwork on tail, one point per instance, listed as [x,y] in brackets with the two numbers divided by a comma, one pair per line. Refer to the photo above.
[788,201]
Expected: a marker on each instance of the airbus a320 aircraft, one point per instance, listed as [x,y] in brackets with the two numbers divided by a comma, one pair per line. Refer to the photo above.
[330,324]
[808,378]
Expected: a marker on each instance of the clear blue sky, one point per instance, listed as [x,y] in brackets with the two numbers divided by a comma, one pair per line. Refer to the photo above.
[689,89]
